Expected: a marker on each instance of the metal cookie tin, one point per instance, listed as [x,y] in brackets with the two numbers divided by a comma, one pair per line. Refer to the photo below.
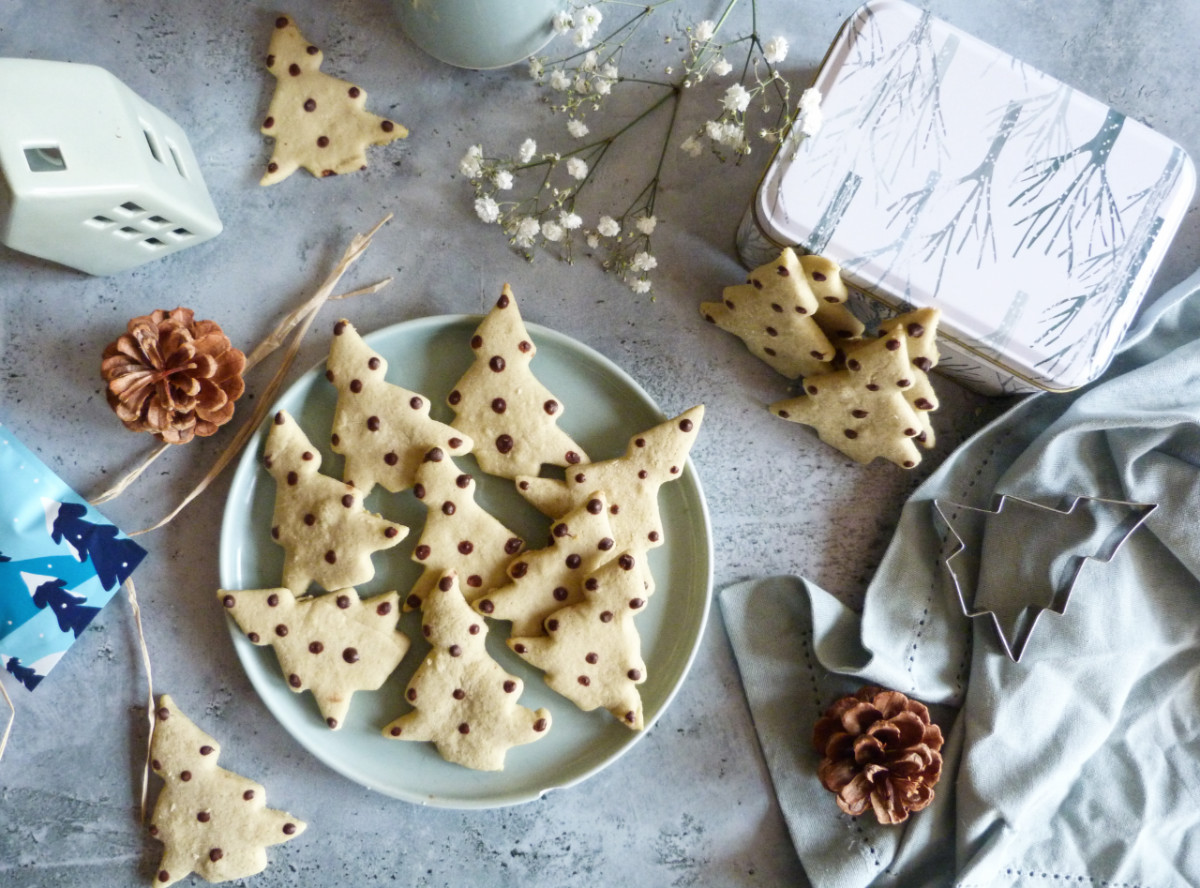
[948,174]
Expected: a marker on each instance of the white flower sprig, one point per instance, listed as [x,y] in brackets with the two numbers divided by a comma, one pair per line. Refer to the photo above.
[545,214]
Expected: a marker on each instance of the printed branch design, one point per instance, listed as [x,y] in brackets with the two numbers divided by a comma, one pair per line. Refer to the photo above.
[1084,208]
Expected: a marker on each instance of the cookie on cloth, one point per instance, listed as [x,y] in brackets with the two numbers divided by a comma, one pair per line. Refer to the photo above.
[502,406]
[630,483]
[544,580]
[591,651]
[774,314]
[383,430]
[463,700]
[326,534]
[459,534]
[862,410]
[317,121]
[332,645]
[211,821]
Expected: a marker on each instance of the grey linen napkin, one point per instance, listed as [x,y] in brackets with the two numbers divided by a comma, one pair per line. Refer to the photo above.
[1079,765]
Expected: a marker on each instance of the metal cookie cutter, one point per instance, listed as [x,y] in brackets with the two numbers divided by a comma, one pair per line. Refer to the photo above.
[1024,557]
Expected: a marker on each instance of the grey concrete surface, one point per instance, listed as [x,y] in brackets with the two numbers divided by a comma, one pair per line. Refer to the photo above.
[692,803]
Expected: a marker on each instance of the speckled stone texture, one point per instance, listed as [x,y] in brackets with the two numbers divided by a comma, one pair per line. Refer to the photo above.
[692,803]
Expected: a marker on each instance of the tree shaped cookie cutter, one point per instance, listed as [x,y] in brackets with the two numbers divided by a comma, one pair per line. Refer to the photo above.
[1052,544]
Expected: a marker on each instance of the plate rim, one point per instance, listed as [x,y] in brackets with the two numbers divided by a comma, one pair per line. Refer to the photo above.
[248,464]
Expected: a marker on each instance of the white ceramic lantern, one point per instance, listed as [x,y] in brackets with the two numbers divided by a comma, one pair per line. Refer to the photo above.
[91,175]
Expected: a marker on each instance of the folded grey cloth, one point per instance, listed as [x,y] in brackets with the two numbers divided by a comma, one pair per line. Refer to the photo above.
[1078,765]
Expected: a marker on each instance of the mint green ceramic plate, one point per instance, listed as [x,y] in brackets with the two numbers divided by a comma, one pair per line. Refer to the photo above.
[603,408]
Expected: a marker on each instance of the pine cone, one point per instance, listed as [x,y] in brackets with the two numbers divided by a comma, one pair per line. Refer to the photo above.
[173,376]
[880,752]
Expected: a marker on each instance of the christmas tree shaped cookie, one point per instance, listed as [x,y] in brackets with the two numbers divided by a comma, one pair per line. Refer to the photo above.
[317,121]
[501,405]
[459,534]
[542,581]
[326,534]
[630,483]
[920,328]
[591,652]
[824,277]
[774,314]
[211,821]
[462,699]
[332,645]
[383,430]
[862,410]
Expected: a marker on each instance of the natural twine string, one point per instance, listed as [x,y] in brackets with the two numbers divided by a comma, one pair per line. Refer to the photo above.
[131,591]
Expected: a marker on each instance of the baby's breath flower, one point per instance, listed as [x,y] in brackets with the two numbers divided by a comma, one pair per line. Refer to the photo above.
[577,167]
[602,86]
[502,179]
[593,239]
[704,31]
[568,220]
[643,261]
[646,224]
[526,230]
[691,146]
[471,165]
[552,231]
[487,210]
[714,130]
[608,226]
[590,61]
[536,68]
[721,67]
[577,128]
[559,80]
[737,98]
[776,50]
[526,151]
[562,22]
[640,285]
[809,118]
[609,71]
[590,17]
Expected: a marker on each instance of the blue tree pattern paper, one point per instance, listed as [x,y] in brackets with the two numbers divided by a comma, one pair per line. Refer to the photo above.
[60,563]
[950,175]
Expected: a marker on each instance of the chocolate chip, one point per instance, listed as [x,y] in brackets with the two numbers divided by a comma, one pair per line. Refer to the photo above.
[892,345]
[520,648]
[387,126]
[294,680]
[272,167]
[486,606]
[859,413]
[518,570]
[606,617]
[513,546]
[626,562]
[634,674]
[473,629]
[356,386]
[289,829]
[281,630]
[315,647]
[504,443]
[770,351]
[637,603]
[464,728]
[573,561]
[509,686]
[454,397]
[353,92]
[771,331]
[466,547]
[561,529]
[272,600]
[496,363]
[372,423]
[292,478]
[463,481]
[253,636]
[270,121]
[248,795]
[592,658]
[343,601]
[540,725]
[775,306]
[915,330]
[454,443]
[396,731]
[413,602]
[391,458]
[448,508]
[384,608]
[310,104]
[294,69]
[560,593]
[206,750]
[422,552]
[411,694]
[350,655]
[435,454]
[229,601]
[331,557]
[652,536]
[685,425]
[923,363]
[573,458]
[454,650]
[164,876]
[584,680]
[850,433]
[390,532]
[605,544]
[525,346]
[322,141]
[591,584]
[923,404]
[446,584]
[348,500]
[459,694]
[552,625]
[551,407]
[185,776]
[853,364]
[499,405]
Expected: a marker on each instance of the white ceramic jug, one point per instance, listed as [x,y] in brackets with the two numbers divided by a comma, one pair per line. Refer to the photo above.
[478,33]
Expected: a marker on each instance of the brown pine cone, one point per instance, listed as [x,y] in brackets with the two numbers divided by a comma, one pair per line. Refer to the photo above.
[880,752]
[173,376]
